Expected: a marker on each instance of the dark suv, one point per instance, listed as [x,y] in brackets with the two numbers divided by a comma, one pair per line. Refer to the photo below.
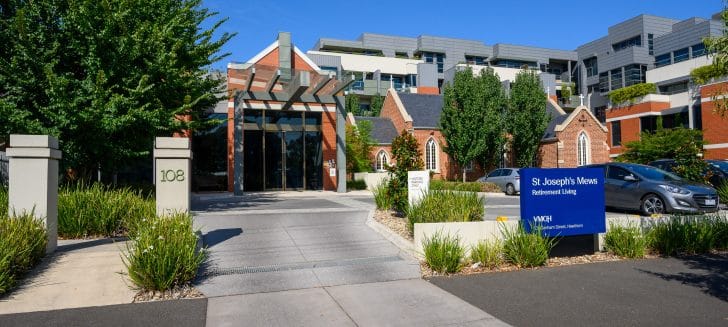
[654,191]
[716,174]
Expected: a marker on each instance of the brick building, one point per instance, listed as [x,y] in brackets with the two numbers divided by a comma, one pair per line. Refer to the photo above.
[573,139]
[284,117]
[714,125]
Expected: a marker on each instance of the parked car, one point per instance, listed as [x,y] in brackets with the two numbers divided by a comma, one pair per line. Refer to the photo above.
[653,191]
[508,179]
[715,174]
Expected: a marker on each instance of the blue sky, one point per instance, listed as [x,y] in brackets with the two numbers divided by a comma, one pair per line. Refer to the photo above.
[550,24]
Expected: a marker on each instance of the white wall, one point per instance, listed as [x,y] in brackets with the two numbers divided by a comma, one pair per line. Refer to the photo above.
[677,70]
[362,63]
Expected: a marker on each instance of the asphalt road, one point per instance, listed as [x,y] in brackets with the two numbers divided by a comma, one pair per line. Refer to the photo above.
[510,206]
[177,313]
[690,291]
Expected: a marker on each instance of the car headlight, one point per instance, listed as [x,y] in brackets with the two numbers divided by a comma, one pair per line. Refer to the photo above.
[674,189]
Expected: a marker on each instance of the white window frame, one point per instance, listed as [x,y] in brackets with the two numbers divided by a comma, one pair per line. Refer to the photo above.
[382,161]
[431,155]
[583,150]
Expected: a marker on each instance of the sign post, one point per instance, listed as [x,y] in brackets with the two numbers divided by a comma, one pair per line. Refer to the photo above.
[418,184]
[33,180]
[563,201]
[172,157]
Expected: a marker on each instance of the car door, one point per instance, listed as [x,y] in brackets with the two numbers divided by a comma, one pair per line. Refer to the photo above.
[620,193]
[493,177]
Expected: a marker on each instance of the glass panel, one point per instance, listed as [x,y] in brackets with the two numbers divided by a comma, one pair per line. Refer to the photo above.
[313,118]
[209,165]
[681,55]
[314,160]
[274,160]
[253,171]
[616,78]
[294,160]
[662,60]
[698,50]
[253,116]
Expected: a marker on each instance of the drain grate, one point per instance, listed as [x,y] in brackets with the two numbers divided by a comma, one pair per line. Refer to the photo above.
[217,271]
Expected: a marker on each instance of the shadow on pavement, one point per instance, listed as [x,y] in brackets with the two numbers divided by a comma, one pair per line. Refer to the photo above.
[224,203]
[84,244]
[218,236]
[712,277]
[571,246]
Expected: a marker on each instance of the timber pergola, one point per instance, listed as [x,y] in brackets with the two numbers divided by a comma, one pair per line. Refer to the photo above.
[283,87]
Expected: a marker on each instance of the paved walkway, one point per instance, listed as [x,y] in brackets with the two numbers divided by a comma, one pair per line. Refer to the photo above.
[81,273]
[309,259]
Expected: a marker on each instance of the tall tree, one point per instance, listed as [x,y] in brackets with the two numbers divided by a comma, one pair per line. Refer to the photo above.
[718,47]
[472,118]
[106,77]
[527,117]
[352,104]
[376,105]
[358,147]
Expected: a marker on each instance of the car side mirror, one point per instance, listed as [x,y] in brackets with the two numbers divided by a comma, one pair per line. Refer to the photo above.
[630,178]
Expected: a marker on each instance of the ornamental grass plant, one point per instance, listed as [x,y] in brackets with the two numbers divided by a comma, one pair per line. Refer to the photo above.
[98,210]
[163,253]
[381,199]
[443,253]
[446,206]
[526,249]
[626,241]
[22,245]
[689,235]
[488,253]
[3,200]
[466,186]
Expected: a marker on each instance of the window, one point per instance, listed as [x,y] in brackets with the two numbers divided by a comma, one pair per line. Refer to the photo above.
[617,173]
[662,60]
[431,155]
[475,60]
[591,66]
[651,44]
[698,50]
[628,43]
[583,150]
[604,82]
[616,79]
[382,161]
[495,173]
[470,166]
[652,123]
[634,74]
[674,88]
[681,55]
[401,55]
[616,133]
[508,63]
[435,58]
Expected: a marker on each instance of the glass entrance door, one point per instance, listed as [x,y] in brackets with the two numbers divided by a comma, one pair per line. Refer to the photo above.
[283,150]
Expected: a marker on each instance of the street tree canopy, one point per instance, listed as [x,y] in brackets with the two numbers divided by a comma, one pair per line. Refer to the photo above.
[106,77]
[527,117]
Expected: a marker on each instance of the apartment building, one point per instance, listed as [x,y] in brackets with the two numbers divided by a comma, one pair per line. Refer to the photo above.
[423,64]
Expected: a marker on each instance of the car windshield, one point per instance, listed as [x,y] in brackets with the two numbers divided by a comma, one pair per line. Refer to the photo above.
[654,173]
[723,165]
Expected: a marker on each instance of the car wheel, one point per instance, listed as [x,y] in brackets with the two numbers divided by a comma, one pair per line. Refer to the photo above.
[510,190]
[652,204]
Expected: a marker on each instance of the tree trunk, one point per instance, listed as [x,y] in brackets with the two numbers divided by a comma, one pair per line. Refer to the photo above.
[464,174]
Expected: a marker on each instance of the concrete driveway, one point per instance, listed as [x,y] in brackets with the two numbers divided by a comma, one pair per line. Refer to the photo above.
[310,259]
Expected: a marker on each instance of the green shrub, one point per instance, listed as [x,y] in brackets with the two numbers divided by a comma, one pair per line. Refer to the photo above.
[460,186]
[703,75]
[445,206]
[631,93]
[406,153]
[688,234]
[163,254]
[22,244]
[356,185]
[381,197]
[625,241]
[443,253]
[488,253]
[98,210]
[526,249]
[722,192]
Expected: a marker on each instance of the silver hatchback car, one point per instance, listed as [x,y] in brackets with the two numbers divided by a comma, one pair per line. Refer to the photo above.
[508,179]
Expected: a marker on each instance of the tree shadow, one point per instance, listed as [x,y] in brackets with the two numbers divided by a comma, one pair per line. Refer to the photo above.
[218,236]
[709,273]
[226,202]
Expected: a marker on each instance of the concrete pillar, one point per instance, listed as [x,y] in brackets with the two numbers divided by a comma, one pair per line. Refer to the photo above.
[238,155]
[34,180]
[172,156]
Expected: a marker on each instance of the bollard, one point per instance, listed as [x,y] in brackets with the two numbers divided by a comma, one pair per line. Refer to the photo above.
[172,156]
[33,181]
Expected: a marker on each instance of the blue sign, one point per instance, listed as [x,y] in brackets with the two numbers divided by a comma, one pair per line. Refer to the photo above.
[564,201]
